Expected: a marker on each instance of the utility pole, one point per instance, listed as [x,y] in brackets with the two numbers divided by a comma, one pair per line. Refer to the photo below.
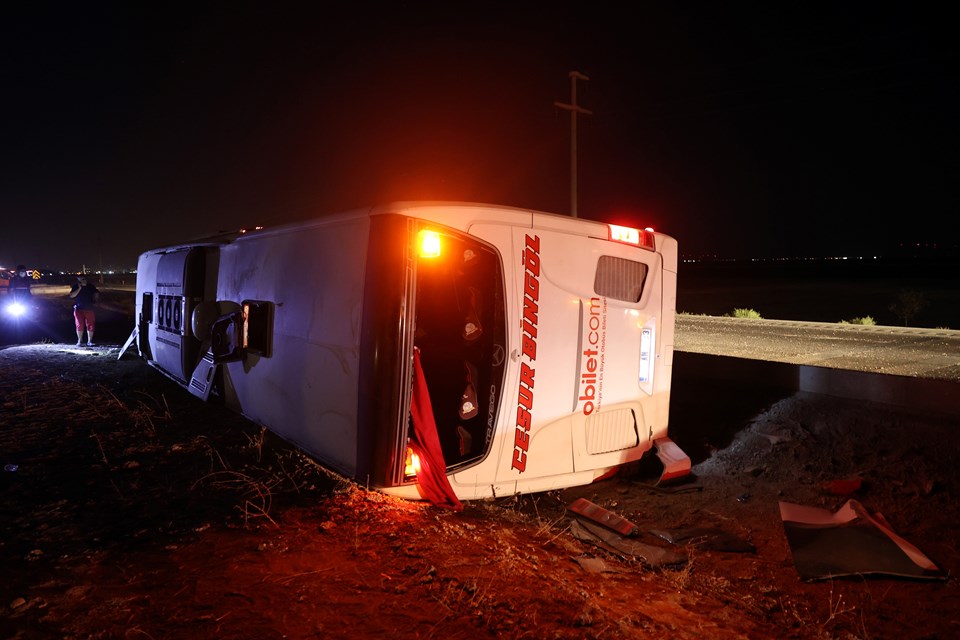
[100,256]
[574,109]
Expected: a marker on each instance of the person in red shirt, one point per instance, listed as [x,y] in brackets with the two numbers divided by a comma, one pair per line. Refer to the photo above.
[84,315]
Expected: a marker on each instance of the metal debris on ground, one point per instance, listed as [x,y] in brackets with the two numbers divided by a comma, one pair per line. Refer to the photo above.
[628,548]
[609,519]
[850,542]
[705,538]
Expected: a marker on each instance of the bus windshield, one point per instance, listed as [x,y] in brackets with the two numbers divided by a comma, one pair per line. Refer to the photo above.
[460,332]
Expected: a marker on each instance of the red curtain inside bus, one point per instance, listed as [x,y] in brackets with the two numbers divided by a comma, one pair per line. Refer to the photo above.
[432,478]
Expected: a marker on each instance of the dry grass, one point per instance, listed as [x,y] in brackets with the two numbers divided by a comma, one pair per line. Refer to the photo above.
[503,567]
[256,494]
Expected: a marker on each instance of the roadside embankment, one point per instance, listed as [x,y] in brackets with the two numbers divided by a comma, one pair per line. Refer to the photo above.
[912,368]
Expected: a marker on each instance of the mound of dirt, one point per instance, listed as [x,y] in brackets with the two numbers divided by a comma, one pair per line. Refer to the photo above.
[133,510]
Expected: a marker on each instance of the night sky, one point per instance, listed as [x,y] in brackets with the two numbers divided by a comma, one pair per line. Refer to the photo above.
[741,129]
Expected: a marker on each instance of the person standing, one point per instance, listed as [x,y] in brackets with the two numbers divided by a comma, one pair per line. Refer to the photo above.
[84,315]
[19,285]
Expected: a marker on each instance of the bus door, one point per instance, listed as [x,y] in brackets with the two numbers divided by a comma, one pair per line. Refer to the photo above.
[493,373]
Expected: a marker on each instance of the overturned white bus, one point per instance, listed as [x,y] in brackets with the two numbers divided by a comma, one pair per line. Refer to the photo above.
[444,351]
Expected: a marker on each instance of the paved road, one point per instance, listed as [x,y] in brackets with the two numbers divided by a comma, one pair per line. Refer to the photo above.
[920,353]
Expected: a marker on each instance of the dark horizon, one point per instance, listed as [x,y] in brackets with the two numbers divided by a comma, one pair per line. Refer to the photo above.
[742,131]
[922,257]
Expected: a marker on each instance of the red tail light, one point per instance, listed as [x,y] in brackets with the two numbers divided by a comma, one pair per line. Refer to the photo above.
[628,235]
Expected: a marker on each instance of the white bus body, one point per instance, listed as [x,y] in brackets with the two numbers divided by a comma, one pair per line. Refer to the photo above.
[545,344]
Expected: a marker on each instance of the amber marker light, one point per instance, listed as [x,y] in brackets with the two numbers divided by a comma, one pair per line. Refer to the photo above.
[428,244]
[411,465]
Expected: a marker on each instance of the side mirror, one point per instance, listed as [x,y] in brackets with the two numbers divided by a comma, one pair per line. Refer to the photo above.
[226,338]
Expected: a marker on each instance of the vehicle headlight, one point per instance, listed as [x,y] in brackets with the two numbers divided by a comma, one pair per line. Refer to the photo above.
[16,309]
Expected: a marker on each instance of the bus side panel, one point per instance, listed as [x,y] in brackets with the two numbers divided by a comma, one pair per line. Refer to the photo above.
[306,391]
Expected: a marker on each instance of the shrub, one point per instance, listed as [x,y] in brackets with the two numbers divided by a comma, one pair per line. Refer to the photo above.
[908,304]
[745,313]
[866,320]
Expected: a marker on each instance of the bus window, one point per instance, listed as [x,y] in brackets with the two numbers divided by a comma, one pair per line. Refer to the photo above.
[460,331]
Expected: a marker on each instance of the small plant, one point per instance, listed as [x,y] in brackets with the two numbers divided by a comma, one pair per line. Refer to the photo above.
[681,577]
[255,492]
[865,320]
[746,313]
[908,305]
[835,610]
[256,442]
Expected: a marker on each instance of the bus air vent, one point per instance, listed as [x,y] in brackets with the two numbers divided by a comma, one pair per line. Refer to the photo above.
[619,279]
[611,431]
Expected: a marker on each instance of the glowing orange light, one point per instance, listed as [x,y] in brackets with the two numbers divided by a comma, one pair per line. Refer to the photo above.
[428,244]
[412,464]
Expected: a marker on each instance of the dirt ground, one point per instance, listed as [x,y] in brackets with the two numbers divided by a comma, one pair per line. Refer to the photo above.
[132,510]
